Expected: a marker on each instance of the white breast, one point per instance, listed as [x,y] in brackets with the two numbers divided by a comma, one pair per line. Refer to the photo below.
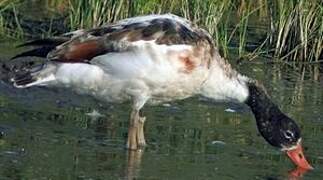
[146,71]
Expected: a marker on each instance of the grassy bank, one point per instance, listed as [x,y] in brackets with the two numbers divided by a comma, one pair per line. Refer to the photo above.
[5,30]
[284,29]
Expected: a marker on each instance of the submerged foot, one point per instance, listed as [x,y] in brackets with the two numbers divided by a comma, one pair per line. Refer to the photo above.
[136,137]
[140,133]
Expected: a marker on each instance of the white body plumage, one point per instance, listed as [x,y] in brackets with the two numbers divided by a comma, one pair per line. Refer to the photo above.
[148,71]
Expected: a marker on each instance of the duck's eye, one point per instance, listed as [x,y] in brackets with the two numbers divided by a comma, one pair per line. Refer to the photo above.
[288,134]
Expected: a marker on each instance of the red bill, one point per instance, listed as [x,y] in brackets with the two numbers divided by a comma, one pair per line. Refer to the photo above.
[298,158]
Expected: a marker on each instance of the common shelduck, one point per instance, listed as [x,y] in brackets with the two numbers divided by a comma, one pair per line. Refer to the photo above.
[151,60]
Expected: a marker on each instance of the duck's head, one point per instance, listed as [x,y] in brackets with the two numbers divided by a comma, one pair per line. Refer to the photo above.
[278,129]
[282,132]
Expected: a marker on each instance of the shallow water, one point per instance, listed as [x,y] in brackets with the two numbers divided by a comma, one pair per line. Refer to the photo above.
[48,133]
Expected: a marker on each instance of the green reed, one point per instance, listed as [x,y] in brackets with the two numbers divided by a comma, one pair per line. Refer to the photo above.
[208,13]
[298,30]
[294,28]
[5,30]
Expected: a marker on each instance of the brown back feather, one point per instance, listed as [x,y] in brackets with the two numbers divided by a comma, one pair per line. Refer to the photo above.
[101,40]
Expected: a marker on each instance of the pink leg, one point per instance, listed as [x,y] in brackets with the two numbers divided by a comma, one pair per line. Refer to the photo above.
[136,138]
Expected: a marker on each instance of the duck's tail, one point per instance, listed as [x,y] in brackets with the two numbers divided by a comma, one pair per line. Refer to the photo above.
[39,75]
[23,75]
[43,47]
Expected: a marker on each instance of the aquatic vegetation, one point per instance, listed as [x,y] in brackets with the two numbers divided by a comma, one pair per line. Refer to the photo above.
[294,27]
[286,30]
[5,6]
[298,30]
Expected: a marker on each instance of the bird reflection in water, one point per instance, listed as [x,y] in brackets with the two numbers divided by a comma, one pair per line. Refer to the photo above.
[297,173]
[133,164]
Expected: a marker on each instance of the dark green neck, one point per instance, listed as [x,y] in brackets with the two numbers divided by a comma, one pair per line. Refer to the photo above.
[268,115]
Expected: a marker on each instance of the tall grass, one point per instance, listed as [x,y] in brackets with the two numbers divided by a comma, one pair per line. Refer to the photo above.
[294,33]
[298,26]
[208,13]
[5,30]
[88,14]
